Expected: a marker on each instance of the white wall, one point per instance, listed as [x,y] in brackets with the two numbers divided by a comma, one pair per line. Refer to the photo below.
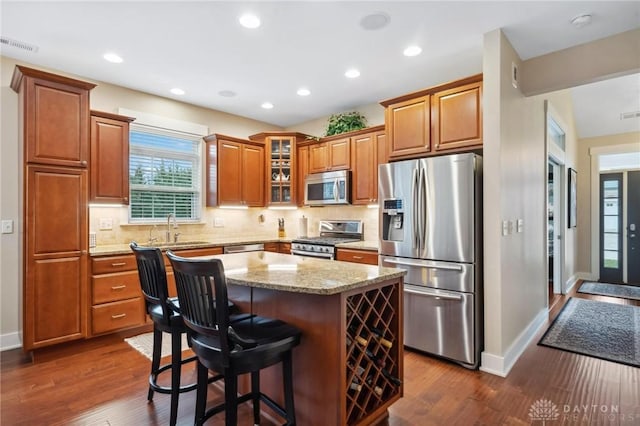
[515,188]
[374,113]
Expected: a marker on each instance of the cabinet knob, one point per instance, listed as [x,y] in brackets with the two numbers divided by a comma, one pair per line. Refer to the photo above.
[126,198]
[83,162]
[83,252]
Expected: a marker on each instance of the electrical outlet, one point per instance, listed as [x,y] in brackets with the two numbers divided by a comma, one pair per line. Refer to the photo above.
[218,222]
[7,226]
[505,228]
[106,223]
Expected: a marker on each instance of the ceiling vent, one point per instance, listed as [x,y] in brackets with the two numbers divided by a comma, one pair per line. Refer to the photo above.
[6,41]
[625,115]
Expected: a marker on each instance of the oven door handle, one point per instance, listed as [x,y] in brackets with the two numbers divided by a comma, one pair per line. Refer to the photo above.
[312,254]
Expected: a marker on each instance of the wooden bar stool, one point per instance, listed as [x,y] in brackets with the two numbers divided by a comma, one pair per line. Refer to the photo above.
[232,346]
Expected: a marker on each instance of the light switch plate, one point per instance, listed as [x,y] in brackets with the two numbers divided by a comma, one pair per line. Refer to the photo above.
[505,228]
[218,222]
[520,225]
[106,223]
[7,226]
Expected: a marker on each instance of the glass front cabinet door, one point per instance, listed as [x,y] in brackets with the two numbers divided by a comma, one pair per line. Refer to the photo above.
[281,150]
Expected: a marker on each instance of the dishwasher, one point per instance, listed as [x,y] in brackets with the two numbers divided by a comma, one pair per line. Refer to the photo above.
[243,248]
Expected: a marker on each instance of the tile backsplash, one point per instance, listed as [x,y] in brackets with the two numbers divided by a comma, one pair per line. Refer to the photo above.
[231,223]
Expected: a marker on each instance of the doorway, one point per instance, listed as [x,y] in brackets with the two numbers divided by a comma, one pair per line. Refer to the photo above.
[619,221]
[554,228]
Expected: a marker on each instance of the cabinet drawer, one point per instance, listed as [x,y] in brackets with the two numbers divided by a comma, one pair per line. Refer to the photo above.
[117,315]
[273,247]
[209,251]
[358,256]
[113,287]
[106,265]
[284,248]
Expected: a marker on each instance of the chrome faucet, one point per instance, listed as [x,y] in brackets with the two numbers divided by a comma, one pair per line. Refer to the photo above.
[152,239]
[175,226]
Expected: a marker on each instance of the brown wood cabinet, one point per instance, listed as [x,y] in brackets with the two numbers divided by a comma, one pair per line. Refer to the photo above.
[278,247]
[116,298]
[444,118]
[408,127]
[237,173]
[357,256]
[54,119]
[456,116]
[302,170]
[367,152]
[330,155]
[171,280]
[109,167]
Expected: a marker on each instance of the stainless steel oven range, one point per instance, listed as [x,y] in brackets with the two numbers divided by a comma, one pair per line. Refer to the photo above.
[332,232]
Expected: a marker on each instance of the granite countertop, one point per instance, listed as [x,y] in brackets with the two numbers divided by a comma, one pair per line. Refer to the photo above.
[300,274]
[369,245]
[116,249]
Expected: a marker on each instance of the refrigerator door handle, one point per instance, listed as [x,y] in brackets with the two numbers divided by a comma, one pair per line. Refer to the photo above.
[425,292]
[414,208]
[420,265]
[422,198]
[335,190]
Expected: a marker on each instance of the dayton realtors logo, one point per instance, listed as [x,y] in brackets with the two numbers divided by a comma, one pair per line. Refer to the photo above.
[544,410]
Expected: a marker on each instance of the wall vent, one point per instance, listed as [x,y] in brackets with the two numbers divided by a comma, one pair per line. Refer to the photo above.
[6,41]
[625,115]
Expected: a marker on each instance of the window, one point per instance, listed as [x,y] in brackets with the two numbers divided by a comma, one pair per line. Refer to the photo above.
[164,174]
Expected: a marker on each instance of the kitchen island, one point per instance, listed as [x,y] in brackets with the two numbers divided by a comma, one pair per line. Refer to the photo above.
[349,365]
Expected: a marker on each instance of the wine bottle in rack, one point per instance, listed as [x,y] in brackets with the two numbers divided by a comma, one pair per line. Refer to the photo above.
[377,361]
[354,385]
[358,337]
[393,379]
[378,335]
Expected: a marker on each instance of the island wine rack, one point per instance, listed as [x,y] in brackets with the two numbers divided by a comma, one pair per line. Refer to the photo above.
[373,339]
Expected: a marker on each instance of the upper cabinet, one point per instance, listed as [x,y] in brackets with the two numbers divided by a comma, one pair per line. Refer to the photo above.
[330,154]
[55,123]
[445,118]
[109,168]
[456,117]
[408,124]
[235,171]
[368,150]
[281,175]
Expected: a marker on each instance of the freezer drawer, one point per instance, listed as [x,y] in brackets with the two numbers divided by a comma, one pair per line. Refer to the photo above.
[430,273]
[441,323]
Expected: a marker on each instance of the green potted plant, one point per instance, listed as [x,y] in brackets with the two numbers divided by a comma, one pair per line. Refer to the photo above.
[345,122]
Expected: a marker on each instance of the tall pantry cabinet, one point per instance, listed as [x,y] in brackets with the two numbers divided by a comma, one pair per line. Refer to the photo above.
[54,126]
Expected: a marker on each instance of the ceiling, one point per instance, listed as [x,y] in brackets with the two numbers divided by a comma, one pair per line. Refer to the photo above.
[201,48]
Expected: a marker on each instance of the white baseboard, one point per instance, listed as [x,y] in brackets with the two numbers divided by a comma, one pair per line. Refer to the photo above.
[10,341]
[571,282]
[586,276]
[501,365]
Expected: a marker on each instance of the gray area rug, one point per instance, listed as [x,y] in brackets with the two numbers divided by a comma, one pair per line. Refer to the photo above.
[613,290]
[598,329]
[143,343]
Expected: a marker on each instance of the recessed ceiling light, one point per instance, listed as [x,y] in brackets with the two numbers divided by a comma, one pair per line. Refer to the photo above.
[581,20]
[303,92]
[249,20]
[267,105]
[112,57]
[227,93]
[375,21]
[412,51]
[177,91]
[352,73]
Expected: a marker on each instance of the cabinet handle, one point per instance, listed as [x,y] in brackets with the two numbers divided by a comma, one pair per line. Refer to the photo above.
[118,316]
[118,287]
[118,264]
[358,257]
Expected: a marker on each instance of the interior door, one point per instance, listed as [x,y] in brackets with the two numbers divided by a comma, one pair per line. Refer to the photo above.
[611,254]
[633,222]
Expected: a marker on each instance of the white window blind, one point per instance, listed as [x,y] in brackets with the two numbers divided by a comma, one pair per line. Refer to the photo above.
[164,174]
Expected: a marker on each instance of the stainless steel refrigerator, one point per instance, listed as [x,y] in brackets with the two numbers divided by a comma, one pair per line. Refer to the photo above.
[431,225]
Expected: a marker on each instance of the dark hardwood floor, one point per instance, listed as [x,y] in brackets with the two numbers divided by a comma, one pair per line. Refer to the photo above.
[104,382]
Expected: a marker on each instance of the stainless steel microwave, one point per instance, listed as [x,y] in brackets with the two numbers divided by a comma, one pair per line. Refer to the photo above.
[326,188]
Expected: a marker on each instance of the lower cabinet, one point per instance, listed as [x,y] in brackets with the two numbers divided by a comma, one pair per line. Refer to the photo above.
[116,298]
[278,247]
[357,256]
[171,281]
